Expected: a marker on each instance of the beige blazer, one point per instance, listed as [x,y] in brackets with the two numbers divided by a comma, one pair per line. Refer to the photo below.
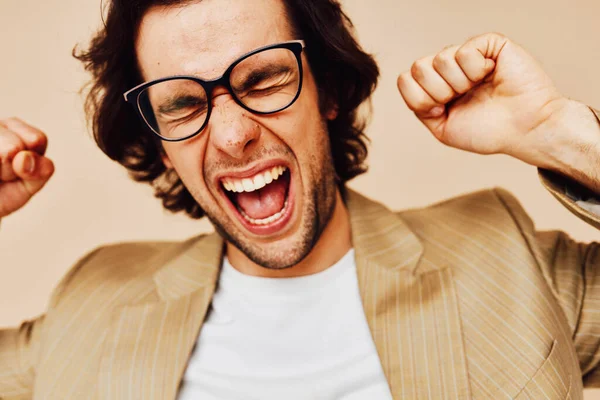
[464,299]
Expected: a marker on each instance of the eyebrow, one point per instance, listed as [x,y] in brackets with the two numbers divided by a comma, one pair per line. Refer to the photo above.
[178,103]
[259,75]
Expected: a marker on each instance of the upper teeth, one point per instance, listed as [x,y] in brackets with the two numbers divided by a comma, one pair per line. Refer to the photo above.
[256,182]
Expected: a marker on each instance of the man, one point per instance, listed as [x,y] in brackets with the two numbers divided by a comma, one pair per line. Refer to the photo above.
[245,111]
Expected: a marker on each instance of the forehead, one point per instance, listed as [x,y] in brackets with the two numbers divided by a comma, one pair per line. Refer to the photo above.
[203,38]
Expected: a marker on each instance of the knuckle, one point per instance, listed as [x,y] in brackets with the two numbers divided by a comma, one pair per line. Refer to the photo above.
[462,54]
[442,60]
[32,136]
[10,152]
[402,79]
[9,149]
[417,73]
[38,139]
[417,68]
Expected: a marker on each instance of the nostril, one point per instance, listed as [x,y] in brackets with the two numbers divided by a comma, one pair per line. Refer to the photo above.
[248,143]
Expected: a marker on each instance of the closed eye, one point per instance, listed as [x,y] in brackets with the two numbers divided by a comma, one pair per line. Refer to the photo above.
[272,73]
[182,104]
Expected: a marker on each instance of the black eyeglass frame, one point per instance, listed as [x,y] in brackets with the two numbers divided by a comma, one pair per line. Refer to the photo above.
[132,96]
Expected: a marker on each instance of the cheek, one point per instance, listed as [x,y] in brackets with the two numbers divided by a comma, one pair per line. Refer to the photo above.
[307,132]
[187,159]
[307,127]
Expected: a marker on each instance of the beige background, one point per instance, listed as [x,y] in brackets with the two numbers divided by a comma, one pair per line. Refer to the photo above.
[90,200]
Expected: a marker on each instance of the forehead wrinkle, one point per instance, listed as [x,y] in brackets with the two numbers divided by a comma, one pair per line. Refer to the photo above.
[204,41]
[212,53]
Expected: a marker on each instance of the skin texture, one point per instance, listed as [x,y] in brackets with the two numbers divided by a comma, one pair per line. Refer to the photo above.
[203,39]
[486,96]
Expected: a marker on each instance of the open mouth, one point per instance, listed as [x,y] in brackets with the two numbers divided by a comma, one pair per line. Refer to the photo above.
[262,202]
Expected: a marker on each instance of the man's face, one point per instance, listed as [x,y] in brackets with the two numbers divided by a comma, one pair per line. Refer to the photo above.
[275,226]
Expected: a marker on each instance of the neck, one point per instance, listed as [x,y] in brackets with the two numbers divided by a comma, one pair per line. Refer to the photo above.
[334,243]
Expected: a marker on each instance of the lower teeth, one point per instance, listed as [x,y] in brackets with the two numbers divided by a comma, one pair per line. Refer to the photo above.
[267,220]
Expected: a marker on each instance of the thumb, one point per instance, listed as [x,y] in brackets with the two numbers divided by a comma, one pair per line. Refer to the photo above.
[33,169]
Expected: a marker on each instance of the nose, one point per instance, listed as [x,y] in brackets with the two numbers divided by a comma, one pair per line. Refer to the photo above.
[231,130]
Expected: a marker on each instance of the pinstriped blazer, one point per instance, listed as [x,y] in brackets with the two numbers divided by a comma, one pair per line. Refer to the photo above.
[464,300]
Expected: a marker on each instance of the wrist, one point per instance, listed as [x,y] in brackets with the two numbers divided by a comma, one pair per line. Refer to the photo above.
[569,142]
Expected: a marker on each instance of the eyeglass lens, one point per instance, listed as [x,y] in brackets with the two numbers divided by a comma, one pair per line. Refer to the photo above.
[265,82]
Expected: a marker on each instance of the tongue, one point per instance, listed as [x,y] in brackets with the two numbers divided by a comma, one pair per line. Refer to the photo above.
[264,202]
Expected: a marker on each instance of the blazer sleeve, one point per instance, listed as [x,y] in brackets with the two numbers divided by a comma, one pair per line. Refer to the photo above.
[18,352]
[578,199]
[20,347]
[572,270]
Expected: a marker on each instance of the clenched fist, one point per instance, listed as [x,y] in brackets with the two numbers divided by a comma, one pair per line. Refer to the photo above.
[486,96]
[24,169]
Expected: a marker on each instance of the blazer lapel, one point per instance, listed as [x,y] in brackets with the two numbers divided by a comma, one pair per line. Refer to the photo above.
[408,297]
[148,346]
[410,304]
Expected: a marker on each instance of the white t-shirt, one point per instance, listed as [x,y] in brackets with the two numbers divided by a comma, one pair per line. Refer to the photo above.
[286,338]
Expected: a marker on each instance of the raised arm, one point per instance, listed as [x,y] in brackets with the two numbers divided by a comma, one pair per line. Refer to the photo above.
[24,170]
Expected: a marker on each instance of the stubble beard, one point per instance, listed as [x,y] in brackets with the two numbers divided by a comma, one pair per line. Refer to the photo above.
[319,205]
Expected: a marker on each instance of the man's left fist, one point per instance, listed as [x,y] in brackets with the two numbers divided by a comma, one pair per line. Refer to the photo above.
[486,96]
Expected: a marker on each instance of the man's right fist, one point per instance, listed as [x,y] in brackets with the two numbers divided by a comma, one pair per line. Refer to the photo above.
[23,168]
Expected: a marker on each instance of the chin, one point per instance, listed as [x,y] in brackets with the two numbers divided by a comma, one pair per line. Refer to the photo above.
[277,253]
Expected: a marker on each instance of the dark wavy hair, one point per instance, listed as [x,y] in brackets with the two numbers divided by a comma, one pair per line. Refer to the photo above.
[345,76]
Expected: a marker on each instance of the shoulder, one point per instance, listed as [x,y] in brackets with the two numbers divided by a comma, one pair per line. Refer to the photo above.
[491,214]
[105,271]
[496,204]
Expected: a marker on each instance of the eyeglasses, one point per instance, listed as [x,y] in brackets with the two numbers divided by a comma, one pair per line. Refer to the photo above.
[265,81]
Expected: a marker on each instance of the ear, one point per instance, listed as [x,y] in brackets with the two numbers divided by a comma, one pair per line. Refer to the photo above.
[332,112]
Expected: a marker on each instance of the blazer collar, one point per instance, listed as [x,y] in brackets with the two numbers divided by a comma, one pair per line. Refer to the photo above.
[410,303]
[196,266]
[381,237]
[404,303]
